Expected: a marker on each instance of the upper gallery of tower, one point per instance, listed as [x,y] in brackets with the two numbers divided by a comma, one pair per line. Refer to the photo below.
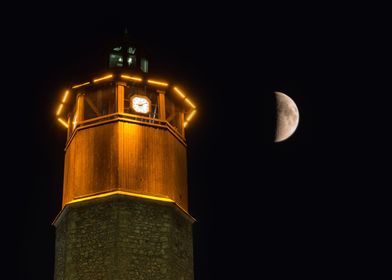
[125,88]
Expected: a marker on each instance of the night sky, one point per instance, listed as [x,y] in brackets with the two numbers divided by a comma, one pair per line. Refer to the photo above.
[308,207]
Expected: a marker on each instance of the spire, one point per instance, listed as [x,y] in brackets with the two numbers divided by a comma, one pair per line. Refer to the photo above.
[126,40]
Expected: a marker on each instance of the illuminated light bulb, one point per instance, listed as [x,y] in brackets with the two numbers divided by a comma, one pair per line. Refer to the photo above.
[191,116]
[103,78]
[59,109]
[78,86]
[190,103]
[179,92]
[65,96]
[157,83]
[63,122]
[131,78]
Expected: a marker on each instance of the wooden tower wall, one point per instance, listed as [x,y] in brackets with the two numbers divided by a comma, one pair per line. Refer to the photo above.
[125,156]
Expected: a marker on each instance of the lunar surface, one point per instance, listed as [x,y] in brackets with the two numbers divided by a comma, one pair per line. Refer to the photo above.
[287,117]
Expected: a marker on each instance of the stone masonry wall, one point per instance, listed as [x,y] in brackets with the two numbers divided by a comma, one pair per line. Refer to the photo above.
[122,238]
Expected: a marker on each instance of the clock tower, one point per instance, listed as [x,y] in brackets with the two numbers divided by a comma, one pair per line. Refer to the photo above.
[125,201]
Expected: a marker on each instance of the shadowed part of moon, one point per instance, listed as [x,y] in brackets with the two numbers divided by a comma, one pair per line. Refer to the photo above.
[287,117]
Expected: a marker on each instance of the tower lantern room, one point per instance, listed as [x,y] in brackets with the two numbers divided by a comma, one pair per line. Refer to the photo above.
[128,56]
[125,156]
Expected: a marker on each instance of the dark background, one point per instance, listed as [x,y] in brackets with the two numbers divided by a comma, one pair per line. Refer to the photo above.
[311,206]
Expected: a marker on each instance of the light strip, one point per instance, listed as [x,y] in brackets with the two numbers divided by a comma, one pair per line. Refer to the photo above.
[157,83]
[78,86]
[123,193]
[191,116]
[59,216]
[65,96]
[59,109]
[185,124]
[131,78]
[179,92]
[103,78]
[190,103]
[63,122]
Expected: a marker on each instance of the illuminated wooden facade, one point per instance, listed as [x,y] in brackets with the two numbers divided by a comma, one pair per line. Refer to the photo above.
[123,151]
[126,138]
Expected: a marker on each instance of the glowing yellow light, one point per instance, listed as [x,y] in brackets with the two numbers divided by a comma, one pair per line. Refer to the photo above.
[63,122]
[78,86]
[191,115]
[131,78]
[59,109]
[121,193]
[185,124]
[179,92]
[103,78]
[65,96]
[190,103]
[157,83]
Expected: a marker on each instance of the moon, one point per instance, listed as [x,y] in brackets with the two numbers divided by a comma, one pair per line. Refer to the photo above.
[287,117]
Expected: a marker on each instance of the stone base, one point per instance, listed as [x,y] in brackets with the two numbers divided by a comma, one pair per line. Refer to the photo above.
[121,238]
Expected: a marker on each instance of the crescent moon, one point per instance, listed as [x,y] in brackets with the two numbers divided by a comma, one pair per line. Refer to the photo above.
[287,117]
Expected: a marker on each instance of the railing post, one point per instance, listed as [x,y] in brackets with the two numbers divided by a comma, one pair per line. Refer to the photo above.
[120,97]
[182,129]
[161,104]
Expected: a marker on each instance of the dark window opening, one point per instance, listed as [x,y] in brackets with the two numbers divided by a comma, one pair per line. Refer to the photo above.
[131,60]
[115,60]
[173,114]
[99,102]
[144,65]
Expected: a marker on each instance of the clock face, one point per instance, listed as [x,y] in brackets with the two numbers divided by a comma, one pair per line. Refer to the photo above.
[140,104]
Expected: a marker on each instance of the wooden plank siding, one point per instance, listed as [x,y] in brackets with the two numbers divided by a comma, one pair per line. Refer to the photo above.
[128,157]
